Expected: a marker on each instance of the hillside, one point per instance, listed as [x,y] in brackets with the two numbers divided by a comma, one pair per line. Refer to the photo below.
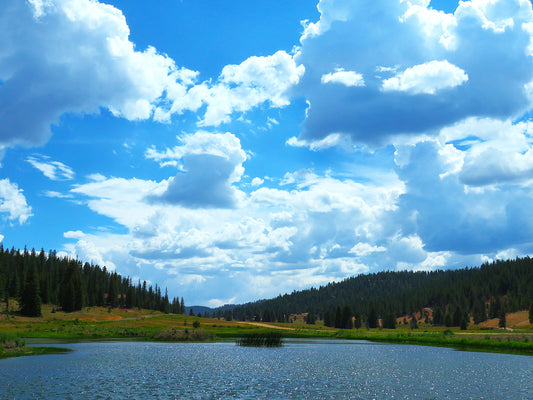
[70,285]
[448,297]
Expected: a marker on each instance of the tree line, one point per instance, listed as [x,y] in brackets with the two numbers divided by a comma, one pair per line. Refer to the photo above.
[442,297]
[36,278]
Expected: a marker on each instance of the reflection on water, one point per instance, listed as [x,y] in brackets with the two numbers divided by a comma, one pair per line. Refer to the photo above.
[311,369]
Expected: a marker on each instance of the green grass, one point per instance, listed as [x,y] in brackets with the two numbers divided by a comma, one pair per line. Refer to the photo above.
[267,339]
[13,346]
[100,323]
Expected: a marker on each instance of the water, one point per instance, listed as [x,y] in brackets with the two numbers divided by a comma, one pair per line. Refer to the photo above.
[311,369]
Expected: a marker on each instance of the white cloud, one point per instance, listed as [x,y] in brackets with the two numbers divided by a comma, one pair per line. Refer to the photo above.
[423,69]
[346,78]
[254,81]
[257,181]
[427,78]
[74,234]
[365,249]
[54,170]
[211,164]
[56,195]
[489,152]
[13,202]
[77,57]
[332,140]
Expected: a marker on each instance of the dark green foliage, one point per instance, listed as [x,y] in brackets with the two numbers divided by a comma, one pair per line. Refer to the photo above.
[479,312]
[338,318]
[531,313]
[269,339]
[310,319]
[357,323]
[413,323]
[196,324]
[407,292]
[389,322]
[372,319]
[71,284]
[30,301]
[438,316]
[502,323]
[328,321]
[347,321]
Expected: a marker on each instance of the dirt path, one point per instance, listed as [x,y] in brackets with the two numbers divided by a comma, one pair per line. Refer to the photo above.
[269,326]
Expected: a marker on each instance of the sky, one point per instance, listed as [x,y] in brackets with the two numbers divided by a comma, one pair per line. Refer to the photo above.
[233,150]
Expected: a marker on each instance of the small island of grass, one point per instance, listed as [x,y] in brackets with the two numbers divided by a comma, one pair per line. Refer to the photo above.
[13,346]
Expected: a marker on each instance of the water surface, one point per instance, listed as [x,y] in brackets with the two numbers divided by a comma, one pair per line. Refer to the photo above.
[310,369]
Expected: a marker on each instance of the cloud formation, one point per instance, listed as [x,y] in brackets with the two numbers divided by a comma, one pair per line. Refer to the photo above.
[422,70]
[13,202]
[210,164]
[54,170]
[75,56]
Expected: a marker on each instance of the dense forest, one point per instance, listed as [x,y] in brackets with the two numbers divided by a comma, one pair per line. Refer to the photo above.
[448,297]
[37,278]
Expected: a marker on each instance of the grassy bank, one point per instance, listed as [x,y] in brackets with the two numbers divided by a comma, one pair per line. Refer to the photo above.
[13,346]
[103,323]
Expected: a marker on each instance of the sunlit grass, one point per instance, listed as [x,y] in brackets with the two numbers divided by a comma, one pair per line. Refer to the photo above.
[102,323]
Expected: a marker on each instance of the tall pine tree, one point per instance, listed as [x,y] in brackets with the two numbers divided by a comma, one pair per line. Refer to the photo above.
[30,301]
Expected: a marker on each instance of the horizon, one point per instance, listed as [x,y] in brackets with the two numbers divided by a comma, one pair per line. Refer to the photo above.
[232,151]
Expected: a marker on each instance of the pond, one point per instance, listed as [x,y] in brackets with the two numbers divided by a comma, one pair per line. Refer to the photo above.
[301,369]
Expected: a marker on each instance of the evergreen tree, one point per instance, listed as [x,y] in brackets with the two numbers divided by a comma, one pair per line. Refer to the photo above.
[357,320]
[182,306]
[310,319]
[372,319]
[346,320]
[389,322]
[438,317]
[502,323]
[531,313]
[479,312]
[448,319]
[413,324]
[30,301]
[338,318]
[327,319]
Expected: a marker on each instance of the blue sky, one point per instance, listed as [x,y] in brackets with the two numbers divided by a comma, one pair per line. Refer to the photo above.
[236,150]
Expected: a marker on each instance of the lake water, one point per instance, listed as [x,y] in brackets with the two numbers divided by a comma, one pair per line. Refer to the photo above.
[310,369]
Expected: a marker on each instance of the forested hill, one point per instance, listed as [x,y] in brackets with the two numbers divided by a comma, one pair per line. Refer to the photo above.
[486,291]
[36,278]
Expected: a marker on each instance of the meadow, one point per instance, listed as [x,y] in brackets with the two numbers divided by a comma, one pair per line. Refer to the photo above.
[97,323]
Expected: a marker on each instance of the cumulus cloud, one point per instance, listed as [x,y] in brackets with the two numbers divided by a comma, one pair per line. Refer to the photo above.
[13,202]
[257,181]
[54,170]
[72,56]
[437,208]
[211,163]
[75,56]
[346,78]
[489,152]
[427,78]
[332,140]
[423,69]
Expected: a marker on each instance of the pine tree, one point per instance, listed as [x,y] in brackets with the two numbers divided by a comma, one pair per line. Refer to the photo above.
[182,306]
[531,313]
[372,319]
[357,320]
[338,318]
[346,321]
[502,323]
[327,318]
[30,301]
